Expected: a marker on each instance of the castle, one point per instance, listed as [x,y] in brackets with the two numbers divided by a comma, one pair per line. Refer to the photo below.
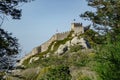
[77,28]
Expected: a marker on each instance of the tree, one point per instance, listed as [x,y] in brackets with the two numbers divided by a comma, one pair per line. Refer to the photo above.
[11,7]
[106,14]
[9,45]
[106,18]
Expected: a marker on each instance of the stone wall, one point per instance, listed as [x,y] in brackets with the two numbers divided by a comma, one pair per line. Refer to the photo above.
[61,36]
[57,36]
[77,28]
[35,50]
[45,45]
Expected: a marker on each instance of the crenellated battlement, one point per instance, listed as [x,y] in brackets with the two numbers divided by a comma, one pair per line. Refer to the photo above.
[61,36]
[77,28]
[76,24]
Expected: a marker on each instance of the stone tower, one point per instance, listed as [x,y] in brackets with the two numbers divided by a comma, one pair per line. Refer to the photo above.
[77,28]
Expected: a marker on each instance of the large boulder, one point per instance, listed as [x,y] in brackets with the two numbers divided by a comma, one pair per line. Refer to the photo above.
[75,41]
[62,49]
[68,44]
[84,43]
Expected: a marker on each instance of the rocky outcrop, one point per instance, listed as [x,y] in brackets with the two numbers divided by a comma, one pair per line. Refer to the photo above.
[75,41]
[33,59]
[80,41]
[62,49]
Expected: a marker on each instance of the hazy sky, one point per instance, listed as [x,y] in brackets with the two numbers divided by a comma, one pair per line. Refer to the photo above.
[41,18]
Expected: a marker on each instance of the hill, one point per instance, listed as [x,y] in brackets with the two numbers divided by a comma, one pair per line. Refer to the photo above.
[74,57]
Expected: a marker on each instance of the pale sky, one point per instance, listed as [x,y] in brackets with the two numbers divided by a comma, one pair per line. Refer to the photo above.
[41,18]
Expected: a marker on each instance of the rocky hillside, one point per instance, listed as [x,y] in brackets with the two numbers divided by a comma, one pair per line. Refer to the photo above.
[67,59]
[77,57]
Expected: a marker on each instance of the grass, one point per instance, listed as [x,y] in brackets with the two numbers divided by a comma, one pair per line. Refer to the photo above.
[59,72]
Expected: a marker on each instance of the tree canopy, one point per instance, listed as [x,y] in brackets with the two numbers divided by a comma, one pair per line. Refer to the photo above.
[9,45]
[11,7]
[106,17]
[107,13]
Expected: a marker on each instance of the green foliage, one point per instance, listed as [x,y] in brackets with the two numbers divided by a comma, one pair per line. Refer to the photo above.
[2,74]
[108,55]
[108,61]
[94,37]
[106,14]
[57,73]
[8,44]
[82,77]
[75,48]
[8,47]
[82,60]
[9,7]
[85,78]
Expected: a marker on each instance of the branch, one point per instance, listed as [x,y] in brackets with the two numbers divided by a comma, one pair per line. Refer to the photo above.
[2,19]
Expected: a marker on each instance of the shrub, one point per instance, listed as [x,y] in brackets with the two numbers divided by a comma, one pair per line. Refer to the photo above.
[2,74]
[57,73]
[108,61]
[75,48]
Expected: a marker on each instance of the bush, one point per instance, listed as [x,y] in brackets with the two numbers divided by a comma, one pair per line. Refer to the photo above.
[2,74]
[75,48]
[57,73]
[108,61]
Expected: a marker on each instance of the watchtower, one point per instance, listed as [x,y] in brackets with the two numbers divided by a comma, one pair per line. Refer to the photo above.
[77,28]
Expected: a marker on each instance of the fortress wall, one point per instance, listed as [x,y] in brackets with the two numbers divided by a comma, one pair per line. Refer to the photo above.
[33,52]
[45,45]
[61,36]
[57,36]
[36,50]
